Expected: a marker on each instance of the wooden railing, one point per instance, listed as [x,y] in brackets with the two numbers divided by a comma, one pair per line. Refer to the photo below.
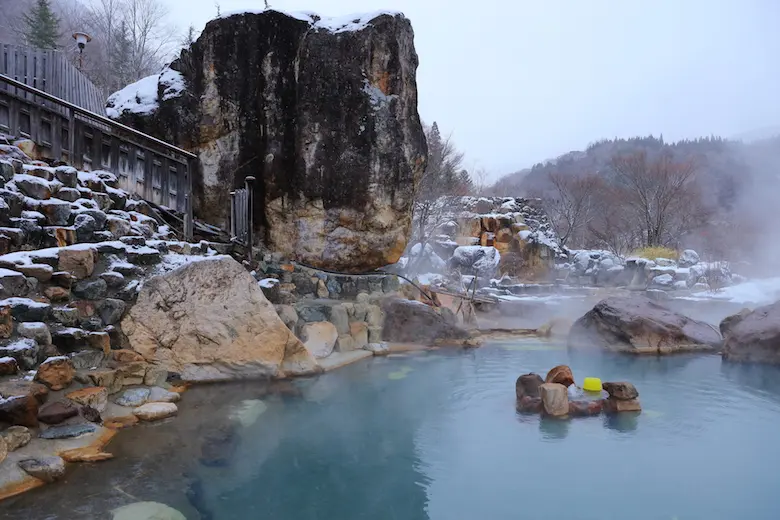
[52,72]
[145,166]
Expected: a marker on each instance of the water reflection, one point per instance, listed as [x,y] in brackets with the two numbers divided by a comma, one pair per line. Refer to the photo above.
[554,429]
[625,422]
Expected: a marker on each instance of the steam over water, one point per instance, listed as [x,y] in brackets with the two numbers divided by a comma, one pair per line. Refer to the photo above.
[436,436]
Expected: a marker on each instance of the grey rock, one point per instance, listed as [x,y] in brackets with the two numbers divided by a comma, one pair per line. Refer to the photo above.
[6,171]
[14,201]
[413,322]
[688,258]
[13,283]
[753,336]
[339,318]
[99,216]
[288,315]
[143,255]
[67,431]
[334,288]
[129,292]
[24,351]
[91,289]
[69,339]
[103,200]
[133,397]
[57,211]
[111,310]
[127,269]
[33,187]
[87,359]
[47,469]
[24,309]
[67,175]
[310,312]
[161,395]
[68,194]
[38,331]
[113,280]
[85,226]
[638,325]
[65,315]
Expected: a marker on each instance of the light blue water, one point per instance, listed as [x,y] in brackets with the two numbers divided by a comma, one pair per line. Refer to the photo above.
[436,436]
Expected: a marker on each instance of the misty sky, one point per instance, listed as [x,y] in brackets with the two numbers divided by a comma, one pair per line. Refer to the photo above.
[518,82]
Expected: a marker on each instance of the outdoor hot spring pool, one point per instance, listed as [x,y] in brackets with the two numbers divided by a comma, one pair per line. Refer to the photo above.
[435,435]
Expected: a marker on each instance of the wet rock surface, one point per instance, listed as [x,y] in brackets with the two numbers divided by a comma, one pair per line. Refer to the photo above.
[753,337]
[637,325]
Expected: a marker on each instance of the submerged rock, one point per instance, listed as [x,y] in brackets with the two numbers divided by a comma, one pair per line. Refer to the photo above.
[209,320]
[637,325]
[146,511]
[47,469]
[67,431]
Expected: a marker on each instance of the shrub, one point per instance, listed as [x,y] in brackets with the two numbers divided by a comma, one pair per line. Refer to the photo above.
[651,253]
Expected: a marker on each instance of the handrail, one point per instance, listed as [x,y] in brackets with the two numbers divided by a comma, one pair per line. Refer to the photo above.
[84,112]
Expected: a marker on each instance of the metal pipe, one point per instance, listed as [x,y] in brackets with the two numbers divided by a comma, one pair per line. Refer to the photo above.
[249,182]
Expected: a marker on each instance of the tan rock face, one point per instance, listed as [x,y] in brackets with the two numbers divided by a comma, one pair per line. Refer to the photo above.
[6,322]
[79,262]
[56,372]
[96,397]
[319,338]
[555,399]
[210,321]
[155,411]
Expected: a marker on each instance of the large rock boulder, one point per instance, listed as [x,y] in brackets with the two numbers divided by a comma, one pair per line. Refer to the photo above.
[753,337]
[209,320]
[638,325]
[409,321]
[328,127]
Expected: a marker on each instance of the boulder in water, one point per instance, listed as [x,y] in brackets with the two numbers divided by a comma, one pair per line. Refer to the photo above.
[528,385]
[753,337]
[555,399]
[560,374]
[408,321]
[637,325]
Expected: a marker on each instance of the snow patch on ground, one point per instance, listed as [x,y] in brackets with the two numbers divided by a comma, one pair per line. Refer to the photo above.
[755,292]
[268,283]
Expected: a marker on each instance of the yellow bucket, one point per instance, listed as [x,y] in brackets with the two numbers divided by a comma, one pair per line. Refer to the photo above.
[592,384]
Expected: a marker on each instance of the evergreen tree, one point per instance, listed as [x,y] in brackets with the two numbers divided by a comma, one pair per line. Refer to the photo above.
[42,27]
[122,55]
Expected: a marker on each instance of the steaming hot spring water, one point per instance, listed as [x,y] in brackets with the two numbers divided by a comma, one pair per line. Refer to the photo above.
[435,435]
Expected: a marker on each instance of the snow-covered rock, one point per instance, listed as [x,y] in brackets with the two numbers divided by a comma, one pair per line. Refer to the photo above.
[664,280]
[476,260]
[688,258]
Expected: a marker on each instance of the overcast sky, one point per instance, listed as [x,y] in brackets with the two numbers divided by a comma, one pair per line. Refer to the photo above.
[516,82]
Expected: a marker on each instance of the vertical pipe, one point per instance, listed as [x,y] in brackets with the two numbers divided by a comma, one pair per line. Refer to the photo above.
[249,182]
[232,216]
[72,139]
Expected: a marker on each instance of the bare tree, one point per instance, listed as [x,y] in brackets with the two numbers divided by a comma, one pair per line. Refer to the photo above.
[657,191]
[573,205]
[611,226]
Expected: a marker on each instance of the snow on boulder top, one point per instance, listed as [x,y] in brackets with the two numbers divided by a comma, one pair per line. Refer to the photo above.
[137,98]
[335,24]
[141,97]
